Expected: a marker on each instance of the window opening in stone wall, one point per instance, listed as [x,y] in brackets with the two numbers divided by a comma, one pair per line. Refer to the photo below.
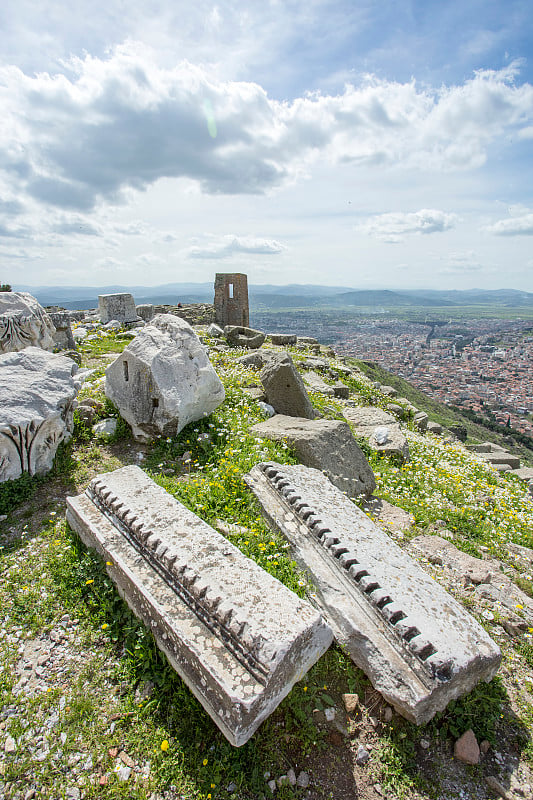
[230,291]
[155,402]
[126,371]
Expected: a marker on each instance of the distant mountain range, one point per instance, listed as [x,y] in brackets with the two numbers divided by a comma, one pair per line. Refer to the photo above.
[294,296]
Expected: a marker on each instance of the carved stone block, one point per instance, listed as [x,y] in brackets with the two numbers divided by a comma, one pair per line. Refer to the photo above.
[37,394]
[419,646]
[236,635]
[23,323]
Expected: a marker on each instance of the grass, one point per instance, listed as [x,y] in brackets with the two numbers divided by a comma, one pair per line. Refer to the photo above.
[47,575]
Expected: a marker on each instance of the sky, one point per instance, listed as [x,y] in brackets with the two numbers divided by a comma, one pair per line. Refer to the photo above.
[334,142]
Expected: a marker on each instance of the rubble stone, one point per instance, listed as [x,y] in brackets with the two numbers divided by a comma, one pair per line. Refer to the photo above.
[381,429]
[284,387]
[327,445]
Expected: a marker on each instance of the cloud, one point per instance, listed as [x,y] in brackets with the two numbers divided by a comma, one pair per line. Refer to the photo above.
[228,246]
[392,227]
[460,262]
[519,223]
[105,126]
[77,226]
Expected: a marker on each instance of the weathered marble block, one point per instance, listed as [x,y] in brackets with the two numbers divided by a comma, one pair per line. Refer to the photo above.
[23,323]
[418,645]
[37,394]
[63,339]
[119,306]
[163,379]
[236,635]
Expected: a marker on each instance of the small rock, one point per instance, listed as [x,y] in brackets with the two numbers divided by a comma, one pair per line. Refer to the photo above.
[494,784]
[466,748]
[107,427]
[272,785]
[484,747]
[125,758]
[73,793]
[291,775]
[231,787]
[424,744]
[329,714]
[303,780]
[10,745]
[362,755]
[113,752]
[283,780]
[29,794]
[103,780]
[388,714]
[123,773]
[351,703]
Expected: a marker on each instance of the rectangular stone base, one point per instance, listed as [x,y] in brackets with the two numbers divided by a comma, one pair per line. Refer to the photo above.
[236,635]
[418,645]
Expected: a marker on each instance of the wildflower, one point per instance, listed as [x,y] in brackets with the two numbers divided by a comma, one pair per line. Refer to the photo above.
[164,745]
[104,626]
[109,563]
[204,762]
[305,688]
[89,581]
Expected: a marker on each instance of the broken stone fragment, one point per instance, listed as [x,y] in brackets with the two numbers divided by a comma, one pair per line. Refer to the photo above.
[327,445]
[241,336]
[284,387]
[37,395]
[379,428]
[466,748]
[163,379]
[23,323]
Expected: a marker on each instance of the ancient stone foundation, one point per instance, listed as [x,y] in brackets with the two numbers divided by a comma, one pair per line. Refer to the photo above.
[236,635]
[417,644]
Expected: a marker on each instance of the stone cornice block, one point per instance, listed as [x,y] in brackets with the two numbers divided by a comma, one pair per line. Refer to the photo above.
[418,645]
[238,637]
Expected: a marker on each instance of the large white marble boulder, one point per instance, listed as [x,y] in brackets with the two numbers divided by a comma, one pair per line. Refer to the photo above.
[163,379]
[37,394]
[23,323]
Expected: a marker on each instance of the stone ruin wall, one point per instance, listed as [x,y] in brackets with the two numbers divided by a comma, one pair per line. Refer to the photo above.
[231,299]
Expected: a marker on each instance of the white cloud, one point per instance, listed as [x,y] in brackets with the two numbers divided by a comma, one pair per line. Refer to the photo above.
[519,223]
[228,246]
[392,227]
[104,127]
[459,263]
[526,133]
